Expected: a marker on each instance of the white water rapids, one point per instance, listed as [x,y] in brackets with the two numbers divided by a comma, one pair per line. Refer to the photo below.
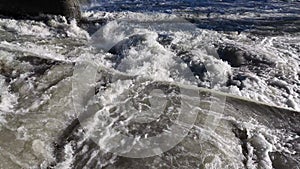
[38,60]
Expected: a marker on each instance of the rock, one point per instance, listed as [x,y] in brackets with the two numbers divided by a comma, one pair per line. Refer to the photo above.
[241,134]
[21,8]
[237,80]
[164,39]
[237,56]
[196,66]
[122,47]
[281,160]
[120,50]
[234,56]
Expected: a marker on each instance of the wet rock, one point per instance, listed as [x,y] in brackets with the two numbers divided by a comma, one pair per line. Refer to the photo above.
[291,103]
[241,133]
[283,161]
[237,80]
[238,77]
[21,8]
[196,66]
[120,49]
[238,57]
[92,25]
[234,56]
[124,45]
[164,39]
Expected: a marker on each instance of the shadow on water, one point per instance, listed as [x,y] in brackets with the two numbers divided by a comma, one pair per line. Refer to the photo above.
[264,26]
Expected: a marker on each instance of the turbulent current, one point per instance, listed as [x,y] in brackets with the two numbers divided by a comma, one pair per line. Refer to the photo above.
[153,84]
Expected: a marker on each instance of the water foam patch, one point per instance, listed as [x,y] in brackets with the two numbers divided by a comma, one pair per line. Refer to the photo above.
[7,99]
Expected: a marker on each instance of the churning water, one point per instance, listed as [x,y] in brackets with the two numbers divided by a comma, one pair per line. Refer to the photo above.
[153,84]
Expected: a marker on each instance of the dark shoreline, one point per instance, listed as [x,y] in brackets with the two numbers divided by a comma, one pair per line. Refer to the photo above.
[24,9]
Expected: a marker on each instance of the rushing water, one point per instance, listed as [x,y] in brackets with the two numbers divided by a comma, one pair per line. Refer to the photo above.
[134,79]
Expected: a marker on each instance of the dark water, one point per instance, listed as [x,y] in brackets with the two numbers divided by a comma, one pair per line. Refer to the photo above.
[262,16]
[169,5]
